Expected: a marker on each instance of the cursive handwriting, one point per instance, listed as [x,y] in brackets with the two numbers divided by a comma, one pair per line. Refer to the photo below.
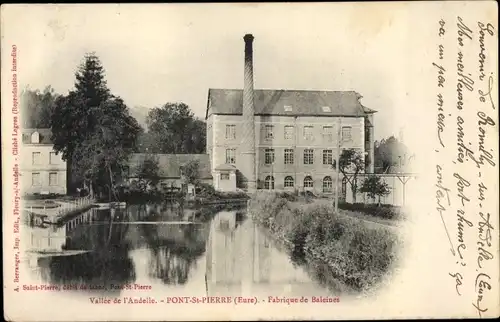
[463,30]
[485,228]
[484,235]
[481,189]
[461,185]
[441,118]
[483,96]
[458,281]
[481,285]
[460,236]
[463,74]
[461,220]
[482,50]
[463,151]
[484,155]
[440,77]
[442,192]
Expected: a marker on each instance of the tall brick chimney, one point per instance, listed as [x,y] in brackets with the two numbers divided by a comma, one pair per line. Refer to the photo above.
[248,140]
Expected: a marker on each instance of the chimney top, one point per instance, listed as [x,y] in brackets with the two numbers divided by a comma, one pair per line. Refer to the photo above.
[248,37]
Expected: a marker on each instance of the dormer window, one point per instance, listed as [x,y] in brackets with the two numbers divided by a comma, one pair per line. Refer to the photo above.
[288,108]
[35,137]
[327,109]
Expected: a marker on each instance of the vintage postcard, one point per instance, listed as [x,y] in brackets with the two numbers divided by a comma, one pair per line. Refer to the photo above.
[250,161]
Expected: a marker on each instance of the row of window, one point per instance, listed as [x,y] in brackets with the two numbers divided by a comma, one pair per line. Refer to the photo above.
[289,158]
[36,158]
[289,132]
[36,179]
[308,183]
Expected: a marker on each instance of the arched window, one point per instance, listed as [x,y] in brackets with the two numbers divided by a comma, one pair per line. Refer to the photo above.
[288,182]
[269,183]
[35,137]
[327,185]
[308,182]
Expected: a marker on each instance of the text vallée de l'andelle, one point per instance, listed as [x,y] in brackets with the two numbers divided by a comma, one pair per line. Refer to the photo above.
[475,90]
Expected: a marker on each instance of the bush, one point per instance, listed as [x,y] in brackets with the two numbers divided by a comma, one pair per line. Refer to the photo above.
[335,245]
[288,196]
[207,192]
[383,211]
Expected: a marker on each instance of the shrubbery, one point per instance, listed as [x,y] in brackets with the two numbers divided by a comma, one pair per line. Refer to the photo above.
[206,192]
[132,194]
[381,211]
[357,255]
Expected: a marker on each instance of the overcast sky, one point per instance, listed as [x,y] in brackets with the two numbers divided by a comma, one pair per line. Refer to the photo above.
[155,54]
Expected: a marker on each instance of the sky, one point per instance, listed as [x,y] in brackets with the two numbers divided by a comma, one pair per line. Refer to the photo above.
[155,54]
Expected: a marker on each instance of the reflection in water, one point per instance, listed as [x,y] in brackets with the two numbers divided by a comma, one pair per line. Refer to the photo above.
[94,251]
[174,249]
[242,261]
[146,244]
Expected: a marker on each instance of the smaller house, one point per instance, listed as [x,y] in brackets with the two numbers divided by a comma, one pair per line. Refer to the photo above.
[43,171]
[225,177]
[171,169]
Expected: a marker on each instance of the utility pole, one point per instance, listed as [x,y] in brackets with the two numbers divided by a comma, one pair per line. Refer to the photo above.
[337,165]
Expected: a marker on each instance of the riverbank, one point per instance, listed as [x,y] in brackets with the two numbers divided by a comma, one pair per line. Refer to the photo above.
[355,255]
[206,195]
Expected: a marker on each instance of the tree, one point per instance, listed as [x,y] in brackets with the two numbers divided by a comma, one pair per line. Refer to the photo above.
[351,162]
[191,171]
[148,172]
[388,153]
[102,157]
[173,128]
[76,114]
[37,107]
[94,130]
[374,186]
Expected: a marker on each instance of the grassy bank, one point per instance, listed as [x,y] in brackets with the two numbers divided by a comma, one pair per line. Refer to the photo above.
[337,247]
[383,211]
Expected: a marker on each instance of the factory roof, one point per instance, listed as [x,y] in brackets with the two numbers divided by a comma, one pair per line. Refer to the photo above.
[288,102]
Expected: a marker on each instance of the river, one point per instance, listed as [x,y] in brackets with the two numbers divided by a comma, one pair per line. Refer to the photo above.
[164,250]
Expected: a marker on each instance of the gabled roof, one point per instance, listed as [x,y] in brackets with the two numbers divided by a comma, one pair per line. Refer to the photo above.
[44,135]
[170,164]
[288,102]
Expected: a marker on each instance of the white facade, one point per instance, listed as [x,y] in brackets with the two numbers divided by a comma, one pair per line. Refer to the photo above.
[43,170]
[291,136]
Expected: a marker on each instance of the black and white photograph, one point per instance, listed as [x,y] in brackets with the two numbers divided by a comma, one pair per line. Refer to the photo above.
[250,161]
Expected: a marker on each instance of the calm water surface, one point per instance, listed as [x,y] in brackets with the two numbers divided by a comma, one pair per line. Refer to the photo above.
[142,246]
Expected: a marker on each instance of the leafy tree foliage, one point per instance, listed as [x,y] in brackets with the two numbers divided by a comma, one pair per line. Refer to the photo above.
[190,170]
[351,161]
[148,172]
[389,153]
[76,114]
[93,129]
[37,107]
[173,128]
[375,187]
